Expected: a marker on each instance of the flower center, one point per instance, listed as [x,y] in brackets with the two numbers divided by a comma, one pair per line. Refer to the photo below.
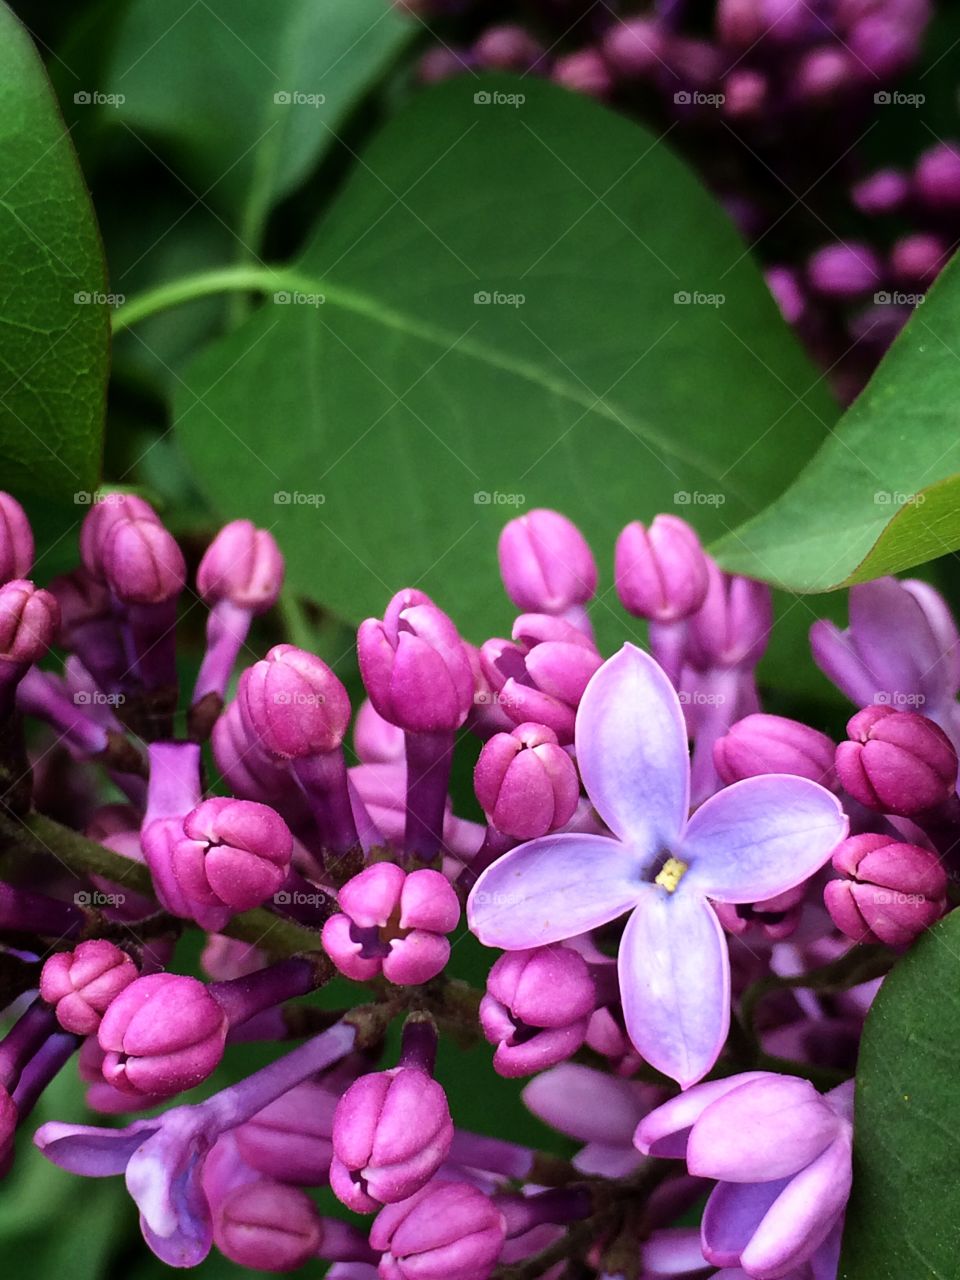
[671,873]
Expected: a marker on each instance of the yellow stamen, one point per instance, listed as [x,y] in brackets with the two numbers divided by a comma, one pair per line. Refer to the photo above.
[671,874]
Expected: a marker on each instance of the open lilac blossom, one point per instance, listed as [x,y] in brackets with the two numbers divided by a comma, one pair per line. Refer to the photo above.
[749,842]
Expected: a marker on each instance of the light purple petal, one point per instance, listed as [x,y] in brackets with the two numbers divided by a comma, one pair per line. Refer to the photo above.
[763,1131]
[553,888]
[606,1161]
[674,1251]
[632,749]
[732,1216]
[760,837]
[92,1152]
[585,1104]
[164,1178]
[892,635]
[803,1215]
[675,983]
[837,657]
[664,1132]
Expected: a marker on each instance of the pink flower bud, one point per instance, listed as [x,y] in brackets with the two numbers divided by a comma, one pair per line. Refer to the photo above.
[507,47]
[537,1008]
[633,48]
[294,704]
[449,1229]
[99,521]
[733,625]
[29,620]
[897,761]
[142,562]
[81,984]
[824,74]
[527,784]
[16,540]
[393,923]
[267,1226]
[391,1132]
[775,918]
[844,270]
[235,854]
[545,563]
[893,891]
[661,572]
[916,260]
[243,564]
[291,1138]
[415,666]
[162,1034]
[938,176]
[785,285]
[584,71]
[882,192]
[760,744]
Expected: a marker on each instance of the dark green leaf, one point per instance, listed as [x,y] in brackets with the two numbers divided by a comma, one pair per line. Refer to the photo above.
[53,312]
[385,420]
[904,1215]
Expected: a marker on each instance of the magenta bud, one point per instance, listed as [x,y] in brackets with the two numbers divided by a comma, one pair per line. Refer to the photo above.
[80,984]
[740,22]
[584,71]
[844,270]
[267,1226]
[290,1138]
[745,93]
[897,761]
[393,923]
[882,192]
[507,47]
[883,45]
[776,918]
[107,511]
[545,563]
[537,1008]
[633,47]
[29,621]
[527,784]
[415,666]
[16,540]
[732,626]
[449,1230]
[243,564]
[162,1034]
[760,744]
[825,73]
[937,176]
[661,572]
[916,260]
[142,562]
[235,854]
[391,1132]
[787,289]
[891,893]
[293,704]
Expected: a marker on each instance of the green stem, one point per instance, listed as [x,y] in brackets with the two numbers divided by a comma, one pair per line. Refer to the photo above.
[236,279]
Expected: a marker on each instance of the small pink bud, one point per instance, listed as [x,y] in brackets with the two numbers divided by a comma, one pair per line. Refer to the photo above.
[107,511]
[938,176]
[897,761]
[785,285]
[537,1008]
[291,1138]
[449,1230]
[162,1034]
[545,563]
[916,260]
[661,572]
[508,47]
[882,192]
[634,47]
[16,540]
[527,784]
[142,562]
[760,744]
[243,564]
[584,71]
[294,704]
[81,984]
[893,891]
[391,1132]
[29,621]
[267,1226]
[845,270]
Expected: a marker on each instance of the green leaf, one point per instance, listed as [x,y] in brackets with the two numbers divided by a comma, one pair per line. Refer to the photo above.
[882,493]
[54,328]
[245,97]
[904,1214]
[385,420]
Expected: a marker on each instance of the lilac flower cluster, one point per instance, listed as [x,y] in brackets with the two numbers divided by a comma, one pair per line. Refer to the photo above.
[772,103]
[661,917]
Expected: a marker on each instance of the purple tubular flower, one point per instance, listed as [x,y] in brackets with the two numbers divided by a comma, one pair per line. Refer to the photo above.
[16,540]
[291,1139]
[897,761]
[89,627]
[753,840]
[781,1153]
[393,923]
[81,984]
[163,1157]
[661,572]
[537,1008]
[545,563]
[173,791]
[891,892]
[732,627]
[449,1230]
[540,677]
[776,918]
[391,1133]
[233,856]
[526,783]
[760,744]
